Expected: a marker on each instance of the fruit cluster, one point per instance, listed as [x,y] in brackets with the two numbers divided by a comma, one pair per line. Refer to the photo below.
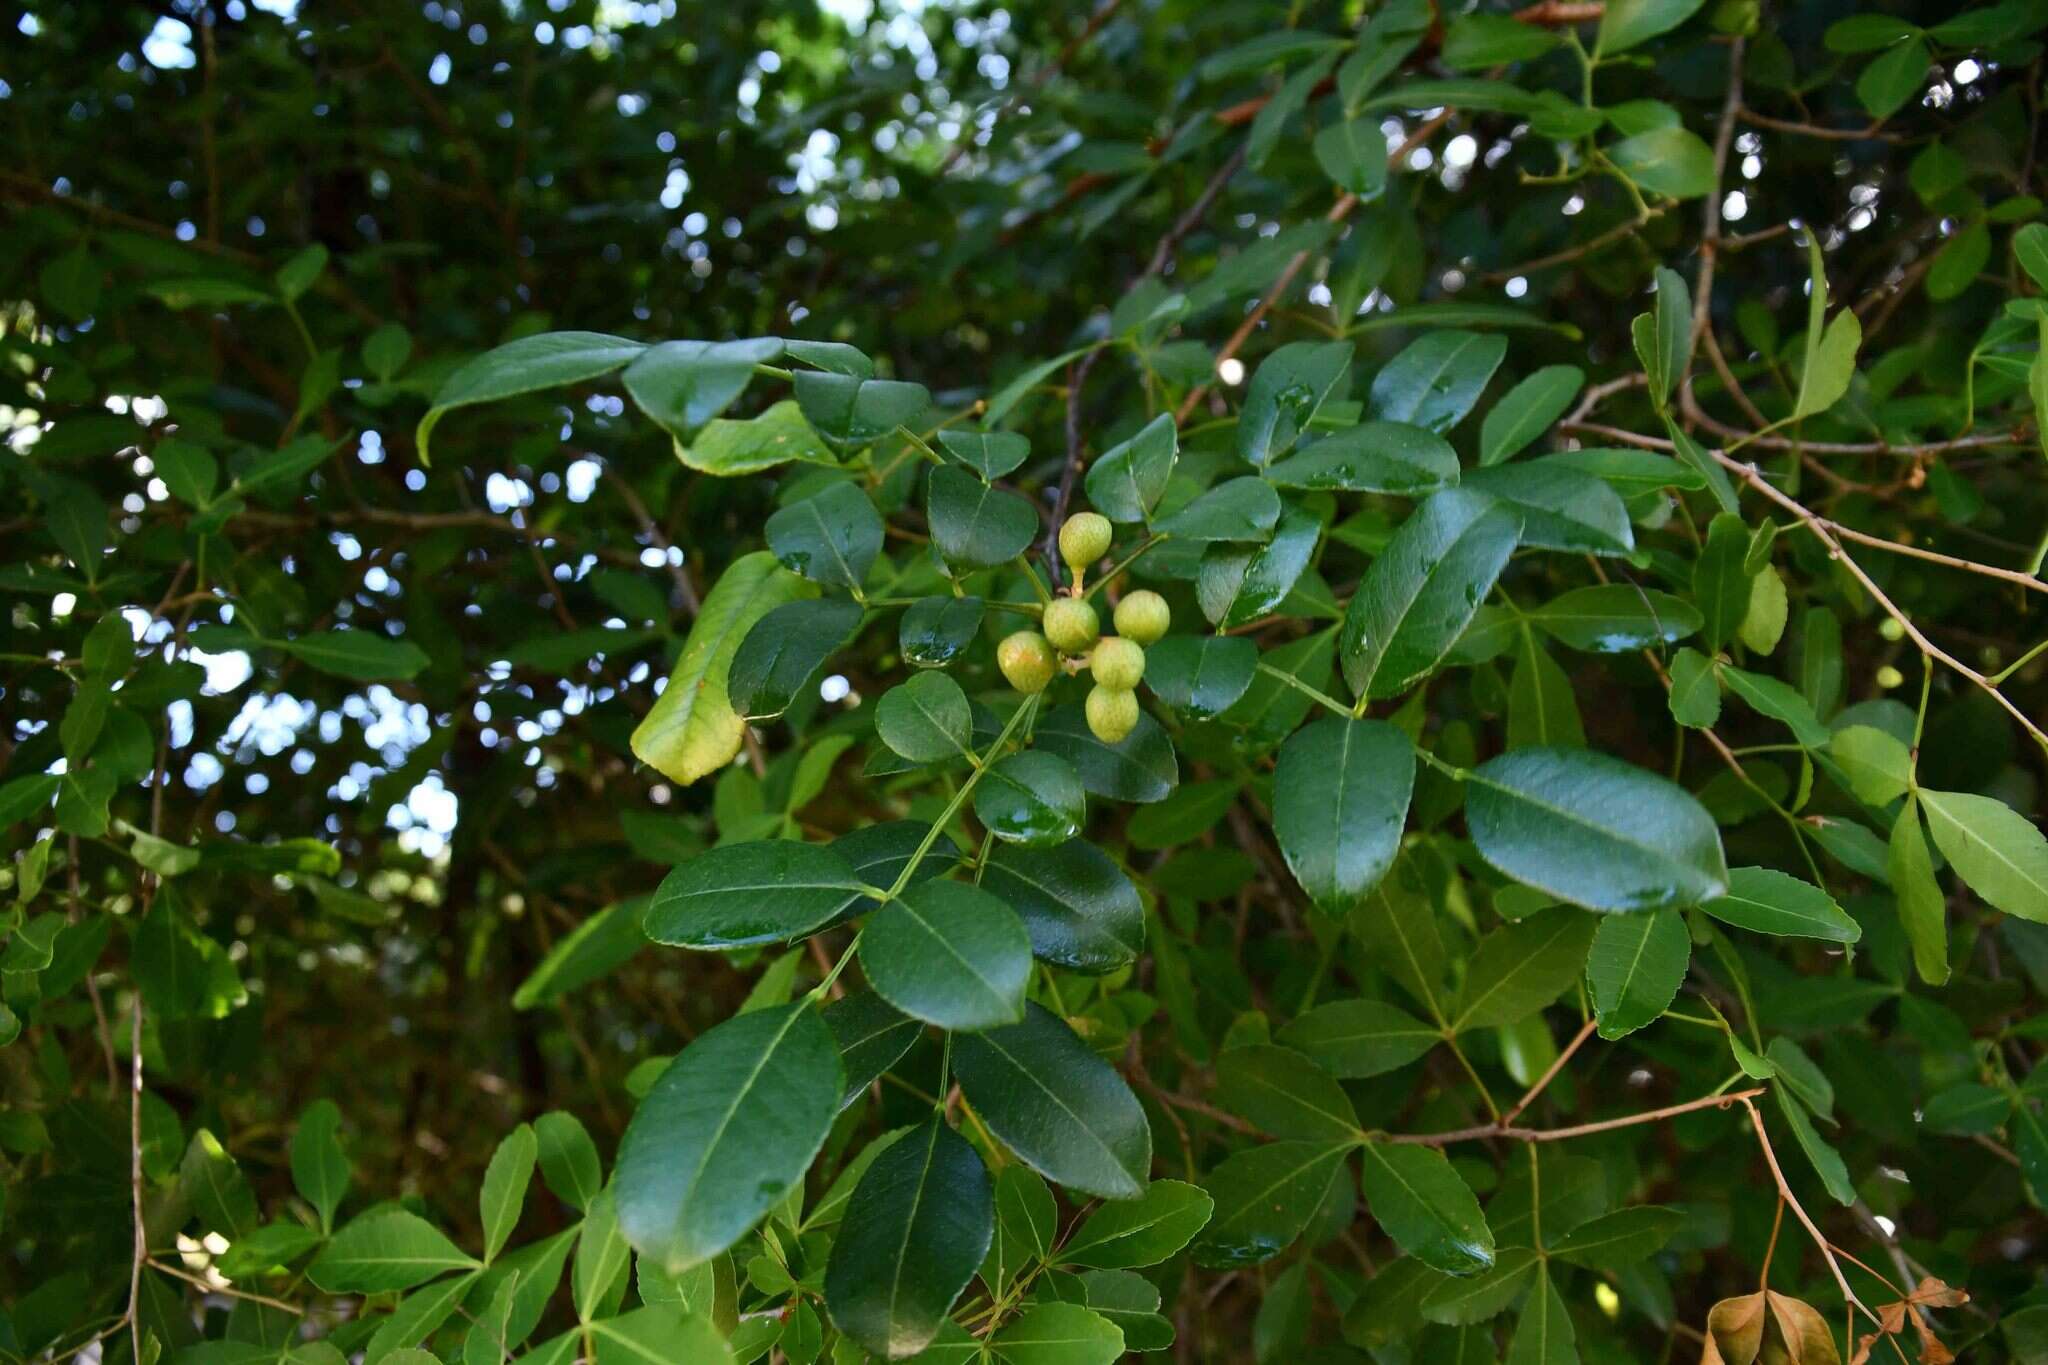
[1030,658]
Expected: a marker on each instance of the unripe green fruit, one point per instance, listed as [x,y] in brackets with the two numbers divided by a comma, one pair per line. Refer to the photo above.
[1117,663]
[1026,659]
[1112,712]
[1084,539]
[1143,616]
[1071,625]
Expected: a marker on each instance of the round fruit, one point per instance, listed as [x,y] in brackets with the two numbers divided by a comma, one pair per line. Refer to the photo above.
[1117,663]
[1084,539]
[1071,625]
[1026,659]
[1112,712]
[1143,616]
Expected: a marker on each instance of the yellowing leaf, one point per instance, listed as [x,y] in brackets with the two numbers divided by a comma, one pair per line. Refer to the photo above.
[693,729]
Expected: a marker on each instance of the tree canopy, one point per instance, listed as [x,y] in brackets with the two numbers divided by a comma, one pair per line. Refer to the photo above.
[1280,682]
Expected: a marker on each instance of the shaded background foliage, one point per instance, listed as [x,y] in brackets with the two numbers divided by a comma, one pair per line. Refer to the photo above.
[478,173]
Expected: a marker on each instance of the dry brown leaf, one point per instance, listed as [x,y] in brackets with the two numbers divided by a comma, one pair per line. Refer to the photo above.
[1735,1331]
[1932,1293]
[1804,1332]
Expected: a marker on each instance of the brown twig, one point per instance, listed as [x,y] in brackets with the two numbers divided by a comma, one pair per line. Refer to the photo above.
[1066,54]
[1798,1210]
[1077,374]
[1339,211]
[1512,1133]
[1549,1075]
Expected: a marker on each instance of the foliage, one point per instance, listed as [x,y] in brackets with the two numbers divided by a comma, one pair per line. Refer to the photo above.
[1278,682]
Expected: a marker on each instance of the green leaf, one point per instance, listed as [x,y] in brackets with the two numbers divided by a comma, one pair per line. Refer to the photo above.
[1126,481]
[528,365]
[729,447]
[1720,582]
[852,412]
[1618,1240]
[1521,967]
[1418,595]
[1291,385]
[1529,408]
[1966,1110]
[915,1231]
[2030,249]
[1356,1039]
[71,283]
[977,525]
[598,1277]
[1635,968]
[1594,830]
[1265,1196]
[1544,1334]
[950,954]
[416,1318]
[319,1166]
[1238,584]
[740,895]
[384,1250]
[1894,77]
[727,1130]
[990,454]
[926,720]
[568,1159]
[1671,161]
[1425,1206]
[357,654]
[1354,155]
[1560,508]
[1435,381]
[1032,798]
[181,294]
[784,650]
[1372,457]
[1866,33]
[1141,767]
[1765,901]
[1628,23]
[692,729]
[684,384]
[503,1193]
[1285,1094]
[1879,767]
[936,631]
[872,1037]
[1340,798]
[1059,1334]
[831,537]
[1236,509]
[1079,908]
[1471,1299]
[1695,689]
[1058,1106]
[1201,676]
[595,948]
[1474,42]
[660,1334]
[1027,1224]
[1826,1161]
[1616,618]
[1142,1231]
[1830,365]
[1703,465]
[1999,853]
[27,798]
[1780,701]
